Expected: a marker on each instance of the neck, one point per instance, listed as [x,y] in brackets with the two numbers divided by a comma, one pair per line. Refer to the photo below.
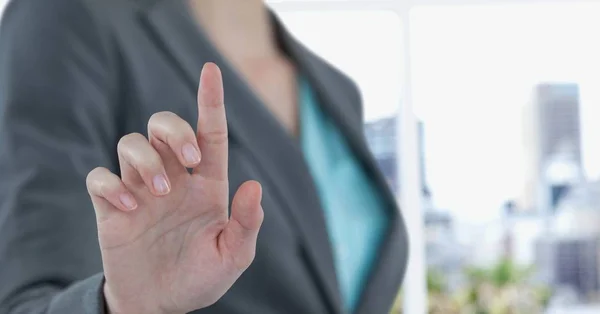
[240,28]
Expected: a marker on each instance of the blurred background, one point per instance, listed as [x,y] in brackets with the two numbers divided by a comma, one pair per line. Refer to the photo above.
[483,116]
[499,162]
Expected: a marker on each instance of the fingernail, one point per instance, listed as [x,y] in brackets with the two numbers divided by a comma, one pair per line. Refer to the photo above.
[128,201]
[190,154]
[161,186]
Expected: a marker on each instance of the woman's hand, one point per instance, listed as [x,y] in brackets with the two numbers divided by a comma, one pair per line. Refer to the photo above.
[168,243]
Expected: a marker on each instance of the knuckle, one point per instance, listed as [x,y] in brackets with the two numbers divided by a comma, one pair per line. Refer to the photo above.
[261,217]
[137,152]
[92,178]
[169,126]
[128,140]
[102,188]
[216,103]
[96,182]
[152,161]
[215,137]
[148,166]
[242,258]
[243,261]
[161,116]
[164,120]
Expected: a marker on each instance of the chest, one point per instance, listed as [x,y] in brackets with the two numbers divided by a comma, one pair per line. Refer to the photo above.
[159,80]
[275,83]
[294,262]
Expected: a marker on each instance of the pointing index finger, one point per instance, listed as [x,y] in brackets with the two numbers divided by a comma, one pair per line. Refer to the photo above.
[212,124]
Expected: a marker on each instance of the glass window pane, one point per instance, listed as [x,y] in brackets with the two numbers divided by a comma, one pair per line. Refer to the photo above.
[508,96]
[366,45]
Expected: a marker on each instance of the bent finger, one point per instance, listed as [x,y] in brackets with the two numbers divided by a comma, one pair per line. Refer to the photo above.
[105,186]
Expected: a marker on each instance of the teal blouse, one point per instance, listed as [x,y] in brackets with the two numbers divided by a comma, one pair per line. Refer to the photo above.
[354,212]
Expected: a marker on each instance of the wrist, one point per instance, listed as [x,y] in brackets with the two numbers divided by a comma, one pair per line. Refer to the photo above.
[114,306]
[109,301]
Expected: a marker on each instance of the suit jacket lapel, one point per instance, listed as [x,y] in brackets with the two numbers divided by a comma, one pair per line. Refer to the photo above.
[255,128]
[390,265]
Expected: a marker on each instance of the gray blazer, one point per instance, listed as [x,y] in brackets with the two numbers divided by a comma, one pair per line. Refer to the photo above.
[76,75]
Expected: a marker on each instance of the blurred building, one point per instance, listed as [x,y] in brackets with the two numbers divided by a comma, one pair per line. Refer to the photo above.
[552,142]
[441,246]
[578,214]
[575,246]
[381,137]
[574,267]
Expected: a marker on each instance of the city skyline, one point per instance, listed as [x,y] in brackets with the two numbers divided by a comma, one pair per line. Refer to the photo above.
[552,143]
[470,85]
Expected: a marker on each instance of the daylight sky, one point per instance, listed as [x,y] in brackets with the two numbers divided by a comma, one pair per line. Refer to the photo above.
[474,69]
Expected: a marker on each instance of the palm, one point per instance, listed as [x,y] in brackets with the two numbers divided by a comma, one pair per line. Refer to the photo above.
[182,249]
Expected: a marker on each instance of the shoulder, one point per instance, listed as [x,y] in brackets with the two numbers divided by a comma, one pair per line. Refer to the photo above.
[55,53]
[54,31]
[340,84]
[337,77]
[40,11]
[21,16]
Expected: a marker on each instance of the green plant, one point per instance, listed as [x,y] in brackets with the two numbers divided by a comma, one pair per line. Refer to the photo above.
[504,288]
[504,273]
[440,301]
[436,281]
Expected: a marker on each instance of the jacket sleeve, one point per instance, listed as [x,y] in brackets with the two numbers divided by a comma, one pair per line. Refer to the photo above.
[57,122]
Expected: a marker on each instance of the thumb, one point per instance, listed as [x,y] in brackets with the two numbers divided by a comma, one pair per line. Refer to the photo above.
[240,234]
